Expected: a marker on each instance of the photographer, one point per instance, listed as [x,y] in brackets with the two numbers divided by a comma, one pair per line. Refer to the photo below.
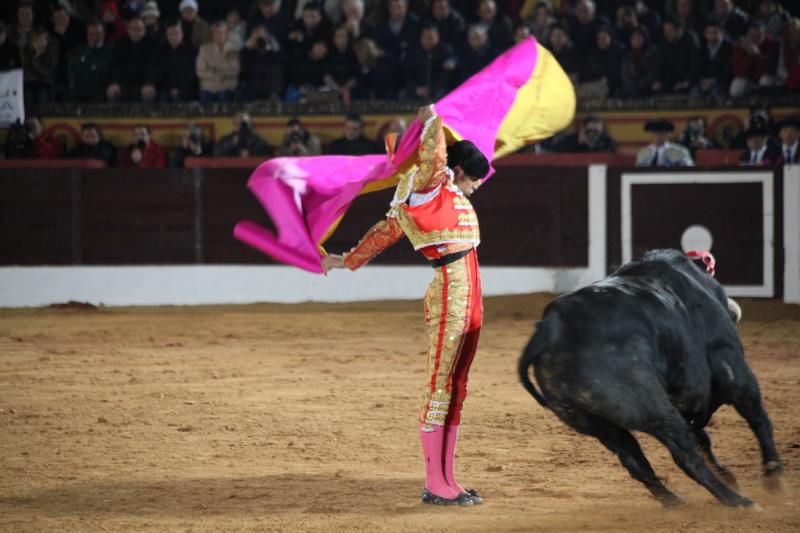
[591,137]
[298,141]
[194,144]
[243,142]
[93,146]
[144,152]
[262,67]
[695,136]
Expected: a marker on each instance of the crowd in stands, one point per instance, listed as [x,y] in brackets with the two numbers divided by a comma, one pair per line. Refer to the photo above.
[344,50]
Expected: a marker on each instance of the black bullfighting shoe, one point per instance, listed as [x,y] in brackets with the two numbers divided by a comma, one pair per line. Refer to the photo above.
[473,495]
[432,499]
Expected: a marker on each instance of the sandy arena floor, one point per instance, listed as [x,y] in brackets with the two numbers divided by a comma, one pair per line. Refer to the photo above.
[302,418]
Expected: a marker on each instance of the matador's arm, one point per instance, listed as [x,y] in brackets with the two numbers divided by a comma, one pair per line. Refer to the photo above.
[379,237]
[432,152]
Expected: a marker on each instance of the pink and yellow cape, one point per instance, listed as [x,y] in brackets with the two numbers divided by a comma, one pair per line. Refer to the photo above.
[521,97]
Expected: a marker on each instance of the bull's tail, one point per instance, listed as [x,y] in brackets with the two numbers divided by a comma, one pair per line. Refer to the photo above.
[539,344]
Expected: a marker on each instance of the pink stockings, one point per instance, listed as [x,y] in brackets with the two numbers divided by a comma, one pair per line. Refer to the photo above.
[439,448]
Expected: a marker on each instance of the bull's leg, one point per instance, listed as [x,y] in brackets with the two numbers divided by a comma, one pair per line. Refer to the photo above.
[748,404]
[739,386]
[704,442]
[673,432]
[630,454]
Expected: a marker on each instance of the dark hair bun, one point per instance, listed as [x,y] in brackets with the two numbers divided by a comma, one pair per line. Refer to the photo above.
[471,160]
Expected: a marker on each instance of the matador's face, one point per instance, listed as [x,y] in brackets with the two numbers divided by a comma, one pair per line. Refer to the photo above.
[466,184]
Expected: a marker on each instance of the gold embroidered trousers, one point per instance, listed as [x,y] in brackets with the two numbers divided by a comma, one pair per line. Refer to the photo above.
[453,313]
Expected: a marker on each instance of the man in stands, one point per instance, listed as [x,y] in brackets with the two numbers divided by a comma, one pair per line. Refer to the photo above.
[243,141]
[144,152]
[662,152]
[93,146]
[354,142]
[678,70]
[430,67]
[130,66]
[758,153]
[88,64]
[591,137]
[755,61]
[196,30]
[789,133]
[217,67]
[715,62]
[173,70]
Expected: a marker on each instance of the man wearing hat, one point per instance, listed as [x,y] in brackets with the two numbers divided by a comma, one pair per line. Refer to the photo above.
[758,152]
[196,31]
[151,16]
[662,152]
[789,133]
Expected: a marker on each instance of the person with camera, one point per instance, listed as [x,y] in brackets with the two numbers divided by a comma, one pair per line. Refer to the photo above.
[93,146]
[299,141]
[194,144]
[144,152]
[695,136]
[591,137]
[262,67]
[243,141]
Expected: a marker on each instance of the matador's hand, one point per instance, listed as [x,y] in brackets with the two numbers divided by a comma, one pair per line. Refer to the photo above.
[332,261]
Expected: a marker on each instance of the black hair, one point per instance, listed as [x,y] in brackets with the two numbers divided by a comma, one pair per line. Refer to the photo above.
[466,155]
[354,117]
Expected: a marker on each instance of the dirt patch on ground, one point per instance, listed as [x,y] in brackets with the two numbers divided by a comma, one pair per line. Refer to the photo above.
[302,418]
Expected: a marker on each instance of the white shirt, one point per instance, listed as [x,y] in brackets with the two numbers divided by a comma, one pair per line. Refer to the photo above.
[789,152]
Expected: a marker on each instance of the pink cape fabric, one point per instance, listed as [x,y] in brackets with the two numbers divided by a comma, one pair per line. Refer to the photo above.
[305,196]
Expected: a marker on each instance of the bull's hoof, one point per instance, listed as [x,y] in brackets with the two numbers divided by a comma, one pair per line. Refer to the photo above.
[753,506]
[671,500]
[775,483]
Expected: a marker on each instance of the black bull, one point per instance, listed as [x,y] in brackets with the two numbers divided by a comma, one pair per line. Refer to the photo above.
[651,348]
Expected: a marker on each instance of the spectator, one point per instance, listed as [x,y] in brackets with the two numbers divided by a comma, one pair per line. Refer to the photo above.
[93,146]
[173,71]
[733,20]
[662,152]
[678,65]
[310,28]
[758,118]
[626,22]
[130,8]
[758,152]
[243,141]
[789,133]
[648,18]
[398,33]
[448,21]
[88,64]
[499,27]
[789,66]
[19,141]
[262,67]
[196,30]
[430,67]
[342,65]
[521,32]
[45,146]
[583,26]
[354,142]
[20,32]
[236,29]
[353,17]
[754,61]
[639,68]
[112,21]
[299,141]
[715,63]
[686,13]
[376,77]
[144,152]
[695,136]
[40,65]
[9,54]
[773,17]
[193,144]
[308,77]
[564,51]
[131,64]
[539,22]
[217,67]
[591,137]
[477,53]
[151,16]
[268,14]
[69,33]
[600,75]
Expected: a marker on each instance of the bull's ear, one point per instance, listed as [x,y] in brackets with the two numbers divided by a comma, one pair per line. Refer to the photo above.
[734,308]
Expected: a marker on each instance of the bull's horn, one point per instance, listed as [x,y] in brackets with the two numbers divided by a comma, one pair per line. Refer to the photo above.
[735,309]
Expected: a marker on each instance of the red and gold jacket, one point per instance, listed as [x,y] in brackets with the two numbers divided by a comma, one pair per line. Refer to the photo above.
[427,207]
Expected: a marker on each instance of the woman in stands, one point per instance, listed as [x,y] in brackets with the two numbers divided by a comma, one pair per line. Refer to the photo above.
[431,208]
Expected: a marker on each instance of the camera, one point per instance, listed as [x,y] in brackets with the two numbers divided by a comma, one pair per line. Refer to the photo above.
[593,134]
[141,145]
[296,137]
[261,43]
